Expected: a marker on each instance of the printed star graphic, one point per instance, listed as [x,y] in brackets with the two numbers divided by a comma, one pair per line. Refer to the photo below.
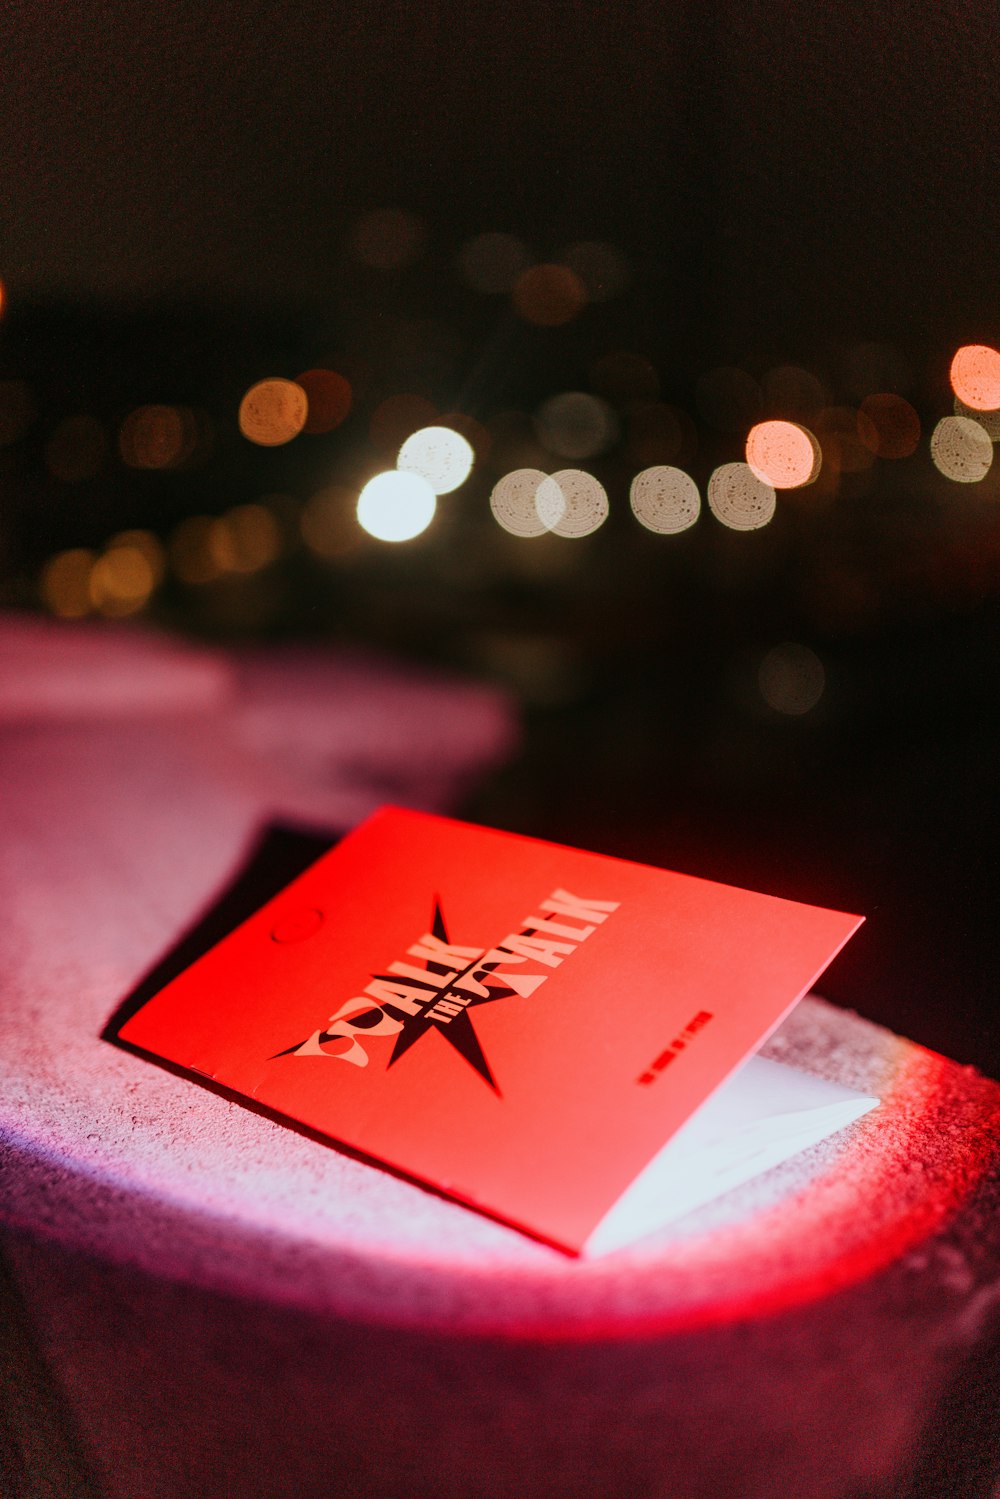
[458,1031]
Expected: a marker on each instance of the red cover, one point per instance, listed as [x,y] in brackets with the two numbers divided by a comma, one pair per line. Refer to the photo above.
[519,1024]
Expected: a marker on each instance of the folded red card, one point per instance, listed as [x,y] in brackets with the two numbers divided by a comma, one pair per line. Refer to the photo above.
[521,1025]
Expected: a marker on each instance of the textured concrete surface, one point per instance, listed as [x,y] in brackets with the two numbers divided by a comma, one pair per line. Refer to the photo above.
[201,1301]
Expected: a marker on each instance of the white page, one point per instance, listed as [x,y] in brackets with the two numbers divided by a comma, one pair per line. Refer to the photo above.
[759,1117]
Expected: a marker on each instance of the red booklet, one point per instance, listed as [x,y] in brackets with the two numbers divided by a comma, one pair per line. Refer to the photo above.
[521,1025]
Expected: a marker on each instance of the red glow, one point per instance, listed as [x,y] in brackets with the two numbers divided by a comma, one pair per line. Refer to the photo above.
[975,376]
[889,426]
[549,295]
[783,454]
[329,396]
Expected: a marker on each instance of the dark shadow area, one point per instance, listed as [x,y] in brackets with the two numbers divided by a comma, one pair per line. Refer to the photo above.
[959,1447]
[40,1450]
[281,854]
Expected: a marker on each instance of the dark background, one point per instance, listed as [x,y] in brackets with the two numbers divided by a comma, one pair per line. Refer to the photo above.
[182,187]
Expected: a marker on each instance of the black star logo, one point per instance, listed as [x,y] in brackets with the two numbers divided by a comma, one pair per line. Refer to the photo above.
[457,1030]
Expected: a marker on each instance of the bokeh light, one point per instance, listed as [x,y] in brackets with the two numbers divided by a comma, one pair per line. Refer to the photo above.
[624,377]
[438,454]
[603,271]
[576,425]
[190,550]
[476,435]
[514,505]
[491,263]
[549,295]
[791,679]
[328,398]
[395,506]
[17,411]
[65,580]
[329,522]
[76,449]
[149,545]
[121,581]
[988,420]
[396,417]
[843,450]
[739,499]
[961,449]
[387,238]
[273,412]
[888,425]
[783,454]
[157,437]
[244,540]
[975,376]
[572,503]
[665,499]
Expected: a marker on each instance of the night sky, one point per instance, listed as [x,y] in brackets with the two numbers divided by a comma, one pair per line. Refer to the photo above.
[779,175]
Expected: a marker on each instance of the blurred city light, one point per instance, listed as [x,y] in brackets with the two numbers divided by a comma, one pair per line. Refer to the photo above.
[988,420]
[396,506]
[328,397]
[549,295]
[888,425]
[843,450]
[476,435]
[121,581]
[783,454]
[975,376]
[665,499]
[157,437]
[513,502]
[576,425]
[739,499]
[438,454]
[245,539]
[572,503]
[791,679]
[190,550]
[149,545]
[273,411]
[961,449]
[329,522]
[65,583]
